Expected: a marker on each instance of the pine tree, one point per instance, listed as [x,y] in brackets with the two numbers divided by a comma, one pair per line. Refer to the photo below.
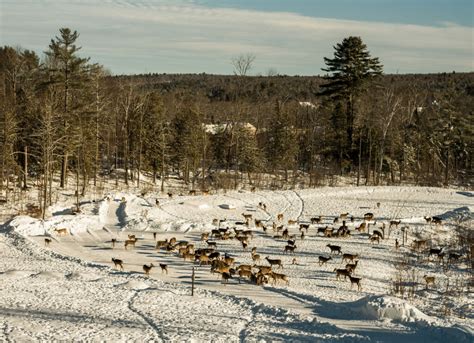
[350,71]
[68,71]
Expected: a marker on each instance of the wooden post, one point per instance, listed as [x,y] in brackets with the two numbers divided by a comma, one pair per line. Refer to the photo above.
[192,283]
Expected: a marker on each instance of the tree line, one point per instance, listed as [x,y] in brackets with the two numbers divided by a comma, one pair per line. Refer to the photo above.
[61,114]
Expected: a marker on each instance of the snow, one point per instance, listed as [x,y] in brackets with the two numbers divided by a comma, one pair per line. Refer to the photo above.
[71,290]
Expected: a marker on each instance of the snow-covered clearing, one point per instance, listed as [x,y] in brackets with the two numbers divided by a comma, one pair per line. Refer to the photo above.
[70,288]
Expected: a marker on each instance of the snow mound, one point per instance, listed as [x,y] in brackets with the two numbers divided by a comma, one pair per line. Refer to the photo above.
[387,307]
[28,226]
[134,285]
[196,204]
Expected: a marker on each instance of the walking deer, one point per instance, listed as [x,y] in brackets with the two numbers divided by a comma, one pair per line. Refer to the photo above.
[147,269]
[118,263]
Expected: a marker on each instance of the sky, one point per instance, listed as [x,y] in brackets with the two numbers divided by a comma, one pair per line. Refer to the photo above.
[289,36]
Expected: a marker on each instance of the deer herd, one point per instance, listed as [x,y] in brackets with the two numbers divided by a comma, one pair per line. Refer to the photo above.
[268,270]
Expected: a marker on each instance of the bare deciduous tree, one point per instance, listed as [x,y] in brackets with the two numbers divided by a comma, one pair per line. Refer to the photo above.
[243,64]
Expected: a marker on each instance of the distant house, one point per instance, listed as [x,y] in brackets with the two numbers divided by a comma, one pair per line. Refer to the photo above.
[222,127]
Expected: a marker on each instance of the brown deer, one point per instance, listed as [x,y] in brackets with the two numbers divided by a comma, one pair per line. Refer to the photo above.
[164,268]
[255,257]
[334,248]
[61,232]
[316,220]
[277,276]
[280,216]
[394,223]
[192,192]
[130,242]
[323,260]
[368,216]
[352,266]
[355,280]
[147,269]
[47,241]
[274,262]
[290,249]
[374,238]
[113,240]
[342,272]
[349,257]
[117,262]
[429,280]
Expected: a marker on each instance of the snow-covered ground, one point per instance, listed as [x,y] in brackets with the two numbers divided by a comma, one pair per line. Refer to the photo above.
[70,288]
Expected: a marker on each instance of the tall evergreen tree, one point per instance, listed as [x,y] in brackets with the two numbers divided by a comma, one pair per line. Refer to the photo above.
[68,71]
[350,71]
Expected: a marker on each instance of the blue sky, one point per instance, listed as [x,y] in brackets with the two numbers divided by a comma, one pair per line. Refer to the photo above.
[291,36]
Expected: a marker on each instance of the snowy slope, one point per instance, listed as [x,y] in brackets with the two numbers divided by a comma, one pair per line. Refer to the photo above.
[73,280]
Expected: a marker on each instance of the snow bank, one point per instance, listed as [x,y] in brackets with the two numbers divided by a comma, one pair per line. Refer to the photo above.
[387,307]
[28,226]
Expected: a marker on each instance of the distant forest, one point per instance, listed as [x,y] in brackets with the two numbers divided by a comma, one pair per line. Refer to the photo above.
[61,114]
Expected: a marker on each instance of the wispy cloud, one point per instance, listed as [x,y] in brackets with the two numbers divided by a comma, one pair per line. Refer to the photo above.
[184,36]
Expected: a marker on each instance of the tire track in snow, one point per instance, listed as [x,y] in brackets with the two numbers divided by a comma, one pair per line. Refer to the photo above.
[302,204]
[146,319]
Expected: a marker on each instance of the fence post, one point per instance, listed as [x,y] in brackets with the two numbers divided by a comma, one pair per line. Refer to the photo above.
[192,283]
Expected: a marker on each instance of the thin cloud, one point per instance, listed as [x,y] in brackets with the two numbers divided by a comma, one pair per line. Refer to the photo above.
[167,36]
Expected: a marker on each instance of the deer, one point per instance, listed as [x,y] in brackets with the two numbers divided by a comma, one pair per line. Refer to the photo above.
[132,237]
[454,256]
[292,222]
[344,215]
[336,220]
[161,244]
[378,233]
[304,227]
[374,238]
[361,227]
[212,244]
[264,270]
[255,257]
[61,232]
[113,241]
[419,244]
[130,242]
[205,192]
[118,263]
[280,217]
[355,280]
[157,202]
[188,256]
[47,241]
[334,248]
[192,192]
[427,219]
[316,220]
[225,277]
[349,257]
[203,259]
[329,232]
[170,195]
[342,272]
[368,216]
[164,268]
[147,269]
[437,220]
[247,217]
[154,236]
[429,280]
[204,236]
[352,266]
[290,249]
[244,273]
[277,276]
[323,260]
[435,251]
[274,262]
[394,223]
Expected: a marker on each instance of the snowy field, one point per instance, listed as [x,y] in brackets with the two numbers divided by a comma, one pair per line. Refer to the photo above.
[71,290]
